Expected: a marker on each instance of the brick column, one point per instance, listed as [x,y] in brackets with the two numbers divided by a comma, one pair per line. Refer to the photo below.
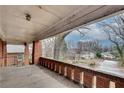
[26,54]
[36,52]
[3,53]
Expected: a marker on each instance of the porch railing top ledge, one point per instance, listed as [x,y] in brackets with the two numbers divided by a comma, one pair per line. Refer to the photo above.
[91,69]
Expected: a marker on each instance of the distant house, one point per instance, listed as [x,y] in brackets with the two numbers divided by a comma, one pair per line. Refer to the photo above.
[87,55]
[107,55]
[73,54]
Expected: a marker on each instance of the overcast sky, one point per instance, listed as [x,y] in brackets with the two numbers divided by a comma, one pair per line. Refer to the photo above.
[96,33]
[15,48]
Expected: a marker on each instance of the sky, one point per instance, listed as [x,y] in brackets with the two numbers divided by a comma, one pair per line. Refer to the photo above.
[96,33]
[15,48]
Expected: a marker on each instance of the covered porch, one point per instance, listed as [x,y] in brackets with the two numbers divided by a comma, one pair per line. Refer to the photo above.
[24,25]
[32,77]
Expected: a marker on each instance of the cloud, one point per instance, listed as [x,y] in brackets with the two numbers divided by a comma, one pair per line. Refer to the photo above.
[96,32]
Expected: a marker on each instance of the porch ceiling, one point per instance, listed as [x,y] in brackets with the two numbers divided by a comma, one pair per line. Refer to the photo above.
[45,20]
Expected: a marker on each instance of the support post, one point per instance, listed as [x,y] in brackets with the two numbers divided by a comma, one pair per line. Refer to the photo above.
[36,52]
[3,53]
[26,54]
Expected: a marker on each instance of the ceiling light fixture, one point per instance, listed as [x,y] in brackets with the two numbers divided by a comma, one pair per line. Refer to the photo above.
[27,16]
[39,6]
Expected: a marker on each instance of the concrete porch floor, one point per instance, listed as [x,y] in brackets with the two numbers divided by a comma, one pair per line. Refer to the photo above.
[32,77]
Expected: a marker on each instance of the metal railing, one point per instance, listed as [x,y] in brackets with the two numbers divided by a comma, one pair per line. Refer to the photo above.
[83,76]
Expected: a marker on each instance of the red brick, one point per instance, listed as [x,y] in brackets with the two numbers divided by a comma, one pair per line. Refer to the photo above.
[119,84]
[62,70]
[36,53]
[77,75]
[57,68]
[69,73]
[88,79]
[3,53]
[102,82]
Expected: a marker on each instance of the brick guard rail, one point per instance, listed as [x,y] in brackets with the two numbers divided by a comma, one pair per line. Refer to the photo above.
[83,76]
[9,61]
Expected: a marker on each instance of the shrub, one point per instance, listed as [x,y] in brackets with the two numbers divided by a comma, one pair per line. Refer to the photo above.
[98,54]
[92,64]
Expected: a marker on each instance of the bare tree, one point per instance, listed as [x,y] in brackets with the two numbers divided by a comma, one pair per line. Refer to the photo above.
[115,33]
[60,44]
[48,47]
[82,31]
